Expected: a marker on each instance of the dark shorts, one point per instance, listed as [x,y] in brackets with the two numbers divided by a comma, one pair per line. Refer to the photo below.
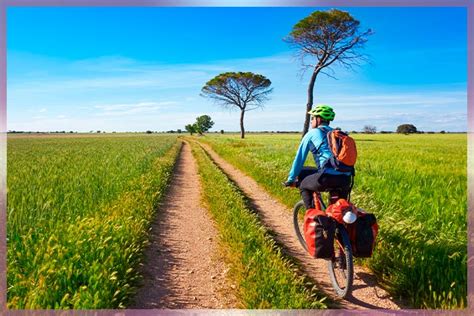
[322,183]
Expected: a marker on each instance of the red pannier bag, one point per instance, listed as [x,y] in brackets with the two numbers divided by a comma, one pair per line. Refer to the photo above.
[363,234]
[339,208]
[319,230]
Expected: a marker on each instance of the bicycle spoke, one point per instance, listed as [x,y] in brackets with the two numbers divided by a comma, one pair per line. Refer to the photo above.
[340,267]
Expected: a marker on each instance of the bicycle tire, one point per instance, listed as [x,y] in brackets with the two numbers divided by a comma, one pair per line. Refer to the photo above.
[342,259]
[298,210]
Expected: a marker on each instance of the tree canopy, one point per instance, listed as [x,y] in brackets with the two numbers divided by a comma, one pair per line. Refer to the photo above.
[369,129]
[190,128]
[239,89]
[244,90]
[324,38]
[407,129]
[330,36]
[203,124]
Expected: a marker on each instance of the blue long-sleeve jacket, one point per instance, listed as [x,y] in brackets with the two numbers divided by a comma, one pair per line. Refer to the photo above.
[316,142]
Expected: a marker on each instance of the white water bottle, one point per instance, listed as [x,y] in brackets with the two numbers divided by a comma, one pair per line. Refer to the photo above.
[349,217]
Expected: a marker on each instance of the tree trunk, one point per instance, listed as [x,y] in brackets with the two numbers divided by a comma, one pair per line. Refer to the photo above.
[242,130]
[309,104]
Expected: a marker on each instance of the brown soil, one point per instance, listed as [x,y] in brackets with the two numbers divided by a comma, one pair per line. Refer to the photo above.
[183,268]
[367,294]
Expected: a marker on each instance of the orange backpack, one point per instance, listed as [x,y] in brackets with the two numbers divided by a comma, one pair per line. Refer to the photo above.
[344,150]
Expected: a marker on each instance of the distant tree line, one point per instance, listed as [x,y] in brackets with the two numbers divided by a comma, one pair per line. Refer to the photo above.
[37,132]
[204,123]
[401,129]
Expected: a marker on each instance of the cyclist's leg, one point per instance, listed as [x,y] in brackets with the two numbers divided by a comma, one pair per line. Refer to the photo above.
[309,185]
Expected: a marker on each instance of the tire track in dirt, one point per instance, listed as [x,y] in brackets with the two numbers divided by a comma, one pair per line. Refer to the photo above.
[367,294]
[182,268]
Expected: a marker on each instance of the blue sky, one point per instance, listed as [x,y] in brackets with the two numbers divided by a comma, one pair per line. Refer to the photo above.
[137,69]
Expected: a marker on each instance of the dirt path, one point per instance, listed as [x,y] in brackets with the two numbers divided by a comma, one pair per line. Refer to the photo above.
[182,267]
[278,218]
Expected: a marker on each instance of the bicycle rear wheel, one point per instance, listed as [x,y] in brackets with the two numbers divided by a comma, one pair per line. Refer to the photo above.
[341,266]
[298,221]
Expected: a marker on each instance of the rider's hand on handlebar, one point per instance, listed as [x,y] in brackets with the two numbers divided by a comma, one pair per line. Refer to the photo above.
[289,184]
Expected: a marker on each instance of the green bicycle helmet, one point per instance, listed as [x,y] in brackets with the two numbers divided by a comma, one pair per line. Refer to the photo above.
[324,111]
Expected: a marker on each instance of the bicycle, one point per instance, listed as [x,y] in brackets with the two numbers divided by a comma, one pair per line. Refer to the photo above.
[341,265]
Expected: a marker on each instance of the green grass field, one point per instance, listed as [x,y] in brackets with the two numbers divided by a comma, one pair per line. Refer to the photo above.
[79,208]
[78,213]
[265,278]
[417,187]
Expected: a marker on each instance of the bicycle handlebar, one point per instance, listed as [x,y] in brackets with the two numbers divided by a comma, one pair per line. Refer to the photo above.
[289,184]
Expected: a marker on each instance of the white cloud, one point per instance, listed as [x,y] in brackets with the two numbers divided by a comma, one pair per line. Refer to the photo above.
[116,93]
[133,108]
[115,72]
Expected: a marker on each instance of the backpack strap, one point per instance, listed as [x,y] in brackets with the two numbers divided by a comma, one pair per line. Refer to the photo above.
[330,142]
[352,184]
[327,132]
[329,161]
[320,127]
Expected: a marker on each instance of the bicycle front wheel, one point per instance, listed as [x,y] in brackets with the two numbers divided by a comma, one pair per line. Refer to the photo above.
[341,266]
[298,221]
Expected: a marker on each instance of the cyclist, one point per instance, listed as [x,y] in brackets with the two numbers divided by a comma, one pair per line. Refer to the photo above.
[316,142]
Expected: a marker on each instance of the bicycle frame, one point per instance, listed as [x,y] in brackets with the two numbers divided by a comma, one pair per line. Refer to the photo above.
[340,230]
[317,198]
[341,241]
